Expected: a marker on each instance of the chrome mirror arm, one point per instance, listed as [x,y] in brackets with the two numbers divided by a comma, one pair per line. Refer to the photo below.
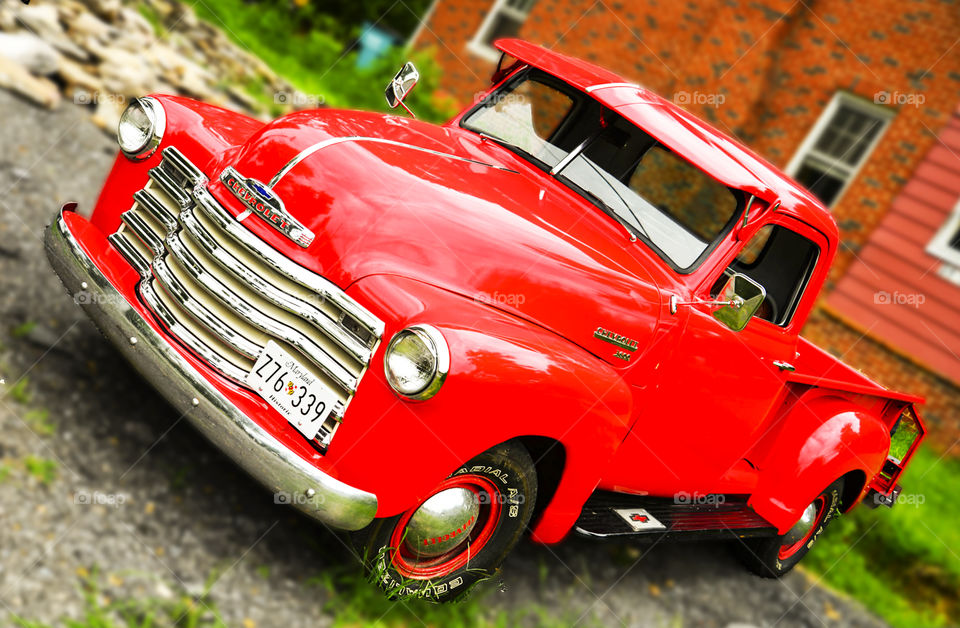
[675,302]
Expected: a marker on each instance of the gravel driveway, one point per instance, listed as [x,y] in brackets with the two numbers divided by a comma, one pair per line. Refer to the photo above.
[142,499]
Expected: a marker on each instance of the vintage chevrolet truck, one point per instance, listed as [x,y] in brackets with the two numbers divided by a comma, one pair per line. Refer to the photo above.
[574,308]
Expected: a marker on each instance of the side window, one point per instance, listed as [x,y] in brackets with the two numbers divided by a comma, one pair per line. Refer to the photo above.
[781,261]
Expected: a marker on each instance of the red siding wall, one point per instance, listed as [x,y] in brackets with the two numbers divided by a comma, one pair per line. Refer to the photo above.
[892,288]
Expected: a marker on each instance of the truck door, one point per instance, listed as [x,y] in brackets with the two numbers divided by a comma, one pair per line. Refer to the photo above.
[718,386]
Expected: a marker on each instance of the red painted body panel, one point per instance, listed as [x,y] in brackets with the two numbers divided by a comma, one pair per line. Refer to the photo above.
[517,272]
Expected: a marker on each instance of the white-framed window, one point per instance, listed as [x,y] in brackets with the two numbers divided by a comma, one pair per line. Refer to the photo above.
[838,145]
[946,243]
[504,20]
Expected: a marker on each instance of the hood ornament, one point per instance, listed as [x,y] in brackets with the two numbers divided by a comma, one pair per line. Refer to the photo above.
[260,200]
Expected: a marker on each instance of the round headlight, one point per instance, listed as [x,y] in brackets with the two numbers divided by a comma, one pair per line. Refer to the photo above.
[417,361]
[141,128]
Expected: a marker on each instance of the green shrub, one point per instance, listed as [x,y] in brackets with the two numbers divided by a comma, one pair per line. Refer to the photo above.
[319,64]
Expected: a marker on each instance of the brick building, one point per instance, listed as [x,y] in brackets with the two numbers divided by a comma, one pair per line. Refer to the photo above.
[857,99]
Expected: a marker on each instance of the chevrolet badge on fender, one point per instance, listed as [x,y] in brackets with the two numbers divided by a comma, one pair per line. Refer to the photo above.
[616,339]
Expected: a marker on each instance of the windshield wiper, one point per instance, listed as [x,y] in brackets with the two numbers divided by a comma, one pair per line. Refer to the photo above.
[506,144]
[611,211]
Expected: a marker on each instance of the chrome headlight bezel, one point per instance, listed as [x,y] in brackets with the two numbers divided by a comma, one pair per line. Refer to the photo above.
[435,343]
[154,112]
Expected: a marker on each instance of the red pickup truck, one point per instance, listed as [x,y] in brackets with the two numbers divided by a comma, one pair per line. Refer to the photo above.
[574,308]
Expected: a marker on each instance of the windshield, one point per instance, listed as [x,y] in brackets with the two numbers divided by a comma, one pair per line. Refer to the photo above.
[670,204]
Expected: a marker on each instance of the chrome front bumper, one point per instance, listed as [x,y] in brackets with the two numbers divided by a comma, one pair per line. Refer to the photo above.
[309,489]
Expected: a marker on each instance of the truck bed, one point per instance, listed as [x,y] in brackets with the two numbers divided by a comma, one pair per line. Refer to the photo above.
[816,367]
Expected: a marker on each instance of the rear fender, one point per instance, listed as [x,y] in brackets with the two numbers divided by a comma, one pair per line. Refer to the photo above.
[507,379]
[823,438]
[200,131]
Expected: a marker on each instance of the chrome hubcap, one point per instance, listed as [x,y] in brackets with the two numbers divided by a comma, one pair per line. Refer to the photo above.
[802,527]
[442,522]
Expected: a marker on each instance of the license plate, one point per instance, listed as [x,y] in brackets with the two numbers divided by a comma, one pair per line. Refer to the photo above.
[291,389]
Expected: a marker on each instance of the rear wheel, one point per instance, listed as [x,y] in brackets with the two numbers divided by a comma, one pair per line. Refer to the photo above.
[460,534]
[773,557]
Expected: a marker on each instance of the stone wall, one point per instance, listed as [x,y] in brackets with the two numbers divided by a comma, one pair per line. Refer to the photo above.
[101,53]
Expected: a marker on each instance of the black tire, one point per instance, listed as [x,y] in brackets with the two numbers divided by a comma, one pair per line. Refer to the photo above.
[774,556]
[506,470]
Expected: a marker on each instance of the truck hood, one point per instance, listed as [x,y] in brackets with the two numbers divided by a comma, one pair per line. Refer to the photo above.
[391,195]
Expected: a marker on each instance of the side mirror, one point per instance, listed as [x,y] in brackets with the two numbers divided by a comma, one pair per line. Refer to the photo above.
[743,296]
[401,85]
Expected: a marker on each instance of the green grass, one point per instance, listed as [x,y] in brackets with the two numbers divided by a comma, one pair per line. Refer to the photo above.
[20,391]
[904,563]
[317,64]
[43,469]
[22,330]
[39,421]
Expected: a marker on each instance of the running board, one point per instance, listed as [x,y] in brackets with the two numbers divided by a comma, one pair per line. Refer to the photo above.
[611,515]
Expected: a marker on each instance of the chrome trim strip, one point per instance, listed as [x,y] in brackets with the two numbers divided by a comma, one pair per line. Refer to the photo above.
[313,491]
[290,165]
[323,287]
[139,227]
[282,331]
[130,253]
[594,88]
[271,293]
[169,282]
[156,209]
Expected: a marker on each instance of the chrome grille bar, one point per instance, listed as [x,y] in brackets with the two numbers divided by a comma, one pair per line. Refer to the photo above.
[169,282]
[142,230]
[178,330]
[288,302]
[284,266]
[130,253]
[149,202]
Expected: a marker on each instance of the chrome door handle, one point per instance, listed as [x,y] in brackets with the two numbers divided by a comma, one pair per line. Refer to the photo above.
[784,366]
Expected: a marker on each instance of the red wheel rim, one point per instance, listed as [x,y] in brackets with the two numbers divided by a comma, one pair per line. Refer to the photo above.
[786,551]
[414,567]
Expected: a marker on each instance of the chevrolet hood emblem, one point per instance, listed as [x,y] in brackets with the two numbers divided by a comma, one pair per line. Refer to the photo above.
[260,200]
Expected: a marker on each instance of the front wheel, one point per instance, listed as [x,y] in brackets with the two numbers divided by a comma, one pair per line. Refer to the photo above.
[775,556]
[460,534]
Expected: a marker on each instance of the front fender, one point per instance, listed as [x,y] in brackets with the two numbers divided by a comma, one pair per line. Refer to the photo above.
[823,438]
[508,378]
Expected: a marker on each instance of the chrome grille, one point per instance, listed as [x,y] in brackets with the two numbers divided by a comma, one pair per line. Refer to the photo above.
[223,292]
